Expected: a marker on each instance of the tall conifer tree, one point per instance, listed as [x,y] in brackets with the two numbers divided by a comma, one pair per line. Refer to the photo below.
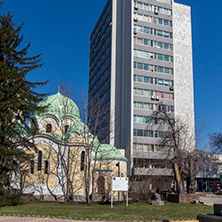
[18,100]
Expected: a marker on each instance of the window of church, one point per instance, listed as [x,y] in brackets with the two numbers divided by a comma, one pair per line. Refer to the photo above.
[46,166]
[66,128]
[39,165]
[101,184]
[48,128]
[82,166]
[32,164]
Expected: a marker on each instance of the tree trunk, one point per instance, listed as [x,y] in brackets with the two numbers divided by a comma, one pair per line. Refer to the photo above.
[179,182]
[191,179]
[180,187]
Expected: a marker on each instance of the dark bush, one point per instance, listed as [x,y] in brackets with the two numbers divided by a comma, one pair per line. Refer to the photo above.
[10,197]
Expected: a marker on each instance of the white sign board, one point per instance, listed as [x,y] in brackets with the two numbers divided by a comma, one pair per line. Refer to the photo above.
[120,184]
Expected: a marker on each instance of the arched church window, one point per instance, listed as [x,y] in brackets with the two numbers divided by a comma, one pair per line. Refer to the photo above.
[48,128]
[66,128]
[39,165]
[32,164]
[101,184]
[46,166]
[82,166]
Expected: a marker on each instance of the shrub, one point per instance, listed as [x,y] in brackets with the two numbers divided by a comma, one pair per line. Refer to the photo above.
[10,197]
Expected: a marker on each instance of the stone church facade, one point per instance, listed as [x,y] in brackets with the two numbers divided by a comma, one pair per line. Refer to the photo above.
[67,157]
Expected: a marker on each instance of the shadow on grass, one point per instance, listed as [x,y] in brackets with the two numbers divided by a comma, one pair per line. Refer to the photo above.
[105,203]
[160,220]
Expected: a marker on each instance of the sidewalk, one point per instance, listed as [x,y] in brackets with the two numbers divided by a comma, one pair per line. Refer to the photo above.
[40,219]
[34,219]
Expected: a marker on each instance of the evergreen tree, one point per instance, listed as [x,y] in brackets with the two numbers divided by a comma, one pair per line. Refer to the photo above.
[18,100]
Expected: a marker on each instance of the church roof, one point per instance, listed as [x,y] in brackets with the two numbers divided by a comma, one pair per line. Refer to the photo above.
[58,106]
[105,151]
[79,127]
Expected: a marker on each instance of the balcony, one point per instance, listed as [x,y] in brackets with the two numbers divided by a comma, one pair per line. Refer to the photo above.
[153,171]
[153,155]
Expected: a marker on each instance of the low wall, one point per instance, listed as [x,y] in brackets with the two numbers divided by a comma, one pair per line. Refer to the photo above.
[183,198]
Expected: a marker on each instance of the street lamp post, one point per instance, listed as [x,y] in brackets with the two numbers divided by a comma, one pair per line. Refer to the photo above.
[118,165]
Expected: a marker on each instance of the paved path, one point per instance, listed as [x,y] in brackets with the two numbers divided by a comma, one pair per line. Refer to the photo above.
[40,219]
[34,219]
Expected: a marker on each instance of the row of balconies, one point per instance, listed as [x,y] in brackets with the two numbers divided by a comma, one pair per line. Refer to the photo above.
[152,171]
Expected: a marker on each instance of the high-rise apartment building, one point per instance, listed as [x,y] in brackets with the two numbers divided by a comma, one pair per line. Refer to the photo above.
[141,57]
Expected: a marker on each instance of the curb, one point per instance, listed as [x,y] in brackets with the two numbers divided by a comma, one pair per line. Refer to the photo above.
[184,221]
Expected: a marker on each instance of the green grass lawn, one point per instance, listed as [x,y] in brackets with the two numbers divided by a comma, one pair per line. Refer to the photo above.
[135,211]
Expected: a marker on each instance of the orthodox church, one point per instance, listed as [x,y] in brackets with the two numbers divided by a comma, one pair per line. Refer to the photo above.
[67,161]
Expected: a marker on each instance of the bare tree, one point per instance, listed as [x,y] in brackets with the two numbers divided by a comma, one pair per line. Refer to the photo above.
[96,114]
[94,130]
[216,142]
[69,154]
[73,154]
[150,161]
[177,137]
[57,156]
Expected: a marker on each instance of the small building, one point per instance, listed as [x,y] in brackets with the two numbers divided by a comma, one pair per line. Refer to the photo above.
[66,161]
[209,171]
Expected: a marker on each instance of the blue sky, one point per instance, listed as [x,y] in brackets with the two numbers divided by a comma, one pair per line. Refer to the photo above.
[61,29]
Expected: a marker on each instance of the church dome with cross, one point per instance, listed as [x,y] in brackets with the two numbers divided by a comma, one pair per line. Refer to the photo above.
[64,149]
[59,106]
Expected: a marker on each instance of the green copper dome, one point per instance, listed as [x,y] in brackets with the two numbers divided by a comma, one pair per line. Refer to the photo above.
[58,106]
[107,151]
[104,151]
